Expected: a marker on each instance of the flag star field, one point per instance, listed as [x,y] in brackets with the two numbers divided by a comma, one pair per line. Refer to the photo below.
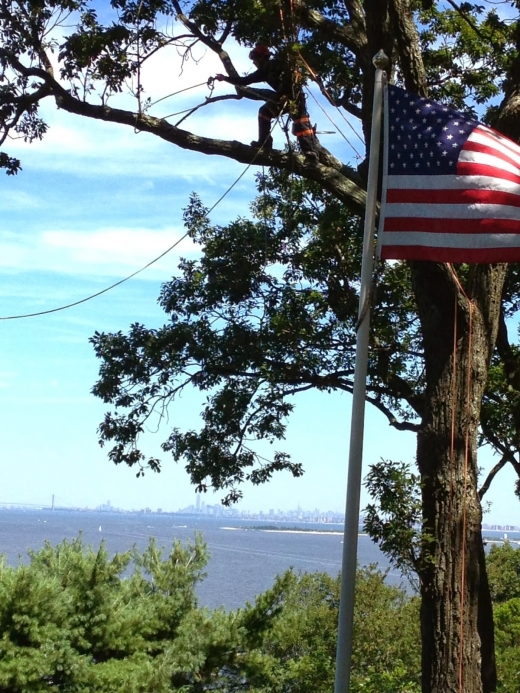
[426,137]
[451,186]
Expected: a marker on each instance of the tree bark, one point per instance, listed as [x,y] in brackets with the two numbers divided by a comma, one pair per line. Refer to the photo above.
[456,611]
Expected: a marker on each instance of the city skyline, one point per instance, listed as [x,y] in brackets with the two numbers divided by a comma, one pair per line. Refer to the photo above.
[200,508]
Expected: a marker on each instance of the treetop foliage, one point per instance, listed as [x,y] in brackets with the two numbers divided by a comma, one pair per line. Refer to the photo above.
[265,313]
[77,620]
[270,309]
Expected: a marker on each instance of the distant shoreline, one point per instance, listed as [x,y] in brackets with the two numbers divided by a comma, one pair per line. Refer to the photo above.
[303,531]
[289,530]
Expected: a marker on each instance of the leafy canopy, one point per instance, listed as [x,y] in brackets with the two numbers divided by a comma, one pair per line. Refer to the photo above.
[268,311]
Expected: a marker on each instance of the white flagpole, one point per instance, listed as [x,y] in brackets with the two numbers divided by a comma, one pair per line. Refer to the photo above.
[350,539]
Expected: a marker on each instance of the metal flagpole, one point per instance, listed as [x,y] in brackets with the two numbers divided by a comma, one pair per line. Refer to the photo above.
[350,539]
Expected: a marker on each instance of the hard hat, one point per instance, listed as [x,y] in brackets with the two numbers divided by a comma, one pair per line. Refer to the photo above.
[259,51]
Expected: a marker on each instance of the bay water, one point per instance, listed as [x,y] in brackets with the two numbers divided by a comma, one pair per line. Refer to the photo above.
[244,560]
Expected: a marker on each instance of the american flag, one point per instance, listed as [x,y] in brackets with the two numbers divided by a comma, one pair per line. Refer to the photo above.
[451,186]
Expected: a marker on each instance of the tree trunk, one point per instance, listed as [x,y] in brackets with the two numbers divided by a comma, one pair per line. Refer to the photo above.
[456,611]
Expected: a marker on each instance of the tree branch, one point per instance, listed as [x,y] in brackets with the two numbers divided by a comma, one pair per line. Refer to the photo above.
[506,353]
[507,456]
[350,107]
[492,474]
[392,419]
[352,37]
[343,184]
[407,39]
[208,41]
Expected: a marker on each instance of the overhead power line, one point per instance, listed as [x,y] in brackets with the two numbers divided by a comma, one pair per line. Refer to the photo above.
[134,274]
[98,293]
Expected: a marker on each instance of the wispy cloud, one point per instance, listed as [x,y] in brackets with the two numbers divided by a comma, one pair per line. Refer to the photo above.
[11,200]
[110,252]
[87,147]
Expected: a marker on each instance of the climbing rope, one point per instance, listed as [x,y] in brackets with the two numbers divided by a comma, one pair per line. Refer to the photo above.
[336,126]
[168,96]
[464,506]
[329,98]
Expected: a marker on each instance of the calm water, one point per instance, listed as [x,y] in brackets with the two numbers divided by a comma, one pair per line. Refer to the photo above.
[243,562]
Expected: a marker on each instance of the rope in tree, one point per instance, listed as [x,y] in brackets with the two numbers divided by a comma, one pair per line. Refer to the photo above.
[139,86]
[449,640]
[464,507]
[336,126]
[168,96]
[329,98]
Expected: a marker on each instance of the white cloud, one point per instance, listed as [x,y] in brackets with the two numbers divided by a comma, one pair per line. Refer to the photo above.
[84,146]
[108,252]
[89,148]
[13,200]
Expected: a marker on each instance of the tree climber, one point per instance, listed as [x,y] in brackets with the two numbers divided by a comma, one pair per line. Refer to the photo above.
[286,80]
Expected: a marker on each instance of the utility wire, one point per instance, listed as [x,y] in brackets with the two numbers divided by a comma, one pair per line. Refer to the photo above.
[103,291]
[134,274]
[159,257]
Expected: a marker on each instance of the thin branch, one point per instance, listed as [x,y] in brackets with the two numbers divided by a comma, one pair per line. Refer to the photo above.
[469,22]
[209,100]
[507,354]
[350,107]
[492,474]
[352,37]
[507,456]
[226,32]
[208,41]
[392,419]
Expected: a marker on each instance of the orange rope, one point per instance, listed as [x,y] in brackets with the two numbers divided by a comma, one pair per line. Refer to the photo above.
[283,24]
[293,33]
[329,98]
[318,81]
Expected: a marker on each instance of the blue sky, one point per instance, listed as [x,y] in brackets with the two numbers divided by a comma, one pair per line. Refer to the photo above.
[94,203]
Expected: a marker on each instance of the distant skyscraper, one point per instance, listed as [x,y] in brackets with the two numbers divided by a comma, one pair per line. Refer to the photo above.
[197,502]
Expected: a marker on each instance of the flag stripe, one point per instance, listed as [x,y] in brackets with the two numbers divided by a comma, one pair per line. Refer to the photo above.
[453,240]
[468,168]
[482,152]
[454,197]
[460,226]
[495,140]
[470,255]
[439,211]
[411,182]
